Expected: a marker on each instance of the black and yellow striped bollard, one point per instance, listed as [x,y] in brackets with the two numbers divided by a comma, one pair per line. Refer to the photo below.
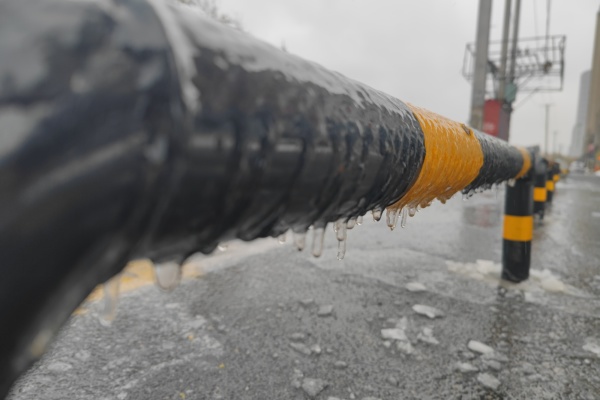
[550,183]
[518,229]
[539,190]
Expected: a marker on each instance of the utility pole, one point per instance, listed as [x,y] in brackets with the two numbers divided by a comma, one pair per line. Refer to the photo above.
[481,60]
[504,50]
[555,147]
[515,39]
[547,126]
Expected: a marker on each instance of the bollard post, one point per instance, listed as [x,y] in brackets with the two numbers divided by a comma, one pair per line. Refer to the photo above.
[518,228]
[556,176]
[539,190]
[550,182]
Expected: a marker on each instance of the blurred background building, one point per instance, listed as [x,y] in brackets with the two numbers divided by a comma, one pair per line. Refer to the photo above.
[576,149]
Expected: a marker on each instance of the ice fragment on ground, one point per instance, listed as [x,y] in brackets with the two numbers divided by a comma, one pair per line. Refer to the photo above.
[404,347]
[312,387]
[325,310]
[59,366]
[479,347]
[297,378]
[592,345]
[340,365]
[307,302]
[415,287]
[466,367]
[298,337]
[301,348]
[428,311]
[394,334]
[495,356]
[427,336]
[553,284]
[315,349]
[489,381]
[402,323]
[492,364]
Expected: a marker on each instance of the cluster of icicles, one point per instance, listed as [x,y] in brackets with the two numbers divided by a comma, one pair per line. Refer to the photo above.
[168,274]
[341,226]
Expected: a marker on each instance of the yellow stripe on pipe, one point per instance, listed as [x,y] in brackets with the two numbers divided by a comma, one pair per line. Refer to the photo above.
[540,194]
[556,177]
[526,162]
[550,186]
[518,229]
[453,158]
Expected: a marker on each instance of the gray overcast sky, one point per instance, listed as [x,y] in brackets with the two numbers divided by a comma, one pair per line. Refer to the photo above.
[414,50]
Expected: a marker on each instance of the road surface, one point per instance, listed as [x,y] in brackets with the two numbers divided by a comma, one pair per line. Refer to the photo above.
[417,313]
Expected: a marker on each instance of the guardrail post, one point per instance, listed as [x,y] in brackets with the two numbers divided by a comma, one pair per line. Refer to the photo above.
[556,176]
[539,191]
[518,228]
[550,183]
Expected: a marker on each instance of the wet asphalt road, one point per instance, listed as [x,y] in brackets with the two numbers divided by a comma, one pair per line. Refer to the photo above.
[257,323]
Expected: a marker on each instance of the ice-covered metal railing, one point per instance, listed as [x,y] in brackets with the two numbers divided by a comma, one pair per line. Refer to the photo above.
[135,128]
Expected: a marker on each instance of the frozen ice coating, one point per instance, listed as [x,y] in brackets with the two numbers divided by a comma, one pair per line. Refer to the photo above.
[242,49]
[453,158]
[213,134]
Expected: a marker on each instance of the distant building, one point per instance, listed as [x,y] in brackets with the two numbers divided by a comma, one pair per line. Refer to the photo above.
[592,127]
[577,141]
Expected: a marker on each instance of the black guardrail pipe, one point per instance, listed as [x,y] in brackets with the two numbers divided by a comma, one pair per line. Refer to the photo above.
[136,128]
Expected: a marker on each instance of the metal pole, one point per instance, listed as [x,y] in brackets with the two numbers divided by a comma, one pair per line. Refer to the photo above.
[547,125]
[481,58]
[504,50]
[515,39]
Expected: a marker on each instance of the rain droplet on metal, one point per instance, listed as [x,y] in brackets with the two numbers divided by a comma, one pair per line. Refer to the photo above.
[351,223]
[412,211]
[300,240]
[376,214]
[222,246]
[404,215]
[318,238]
[359,220]
[281,238]
[110,291]
[340,234]
[168,275]
[511,182]
[341,249]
